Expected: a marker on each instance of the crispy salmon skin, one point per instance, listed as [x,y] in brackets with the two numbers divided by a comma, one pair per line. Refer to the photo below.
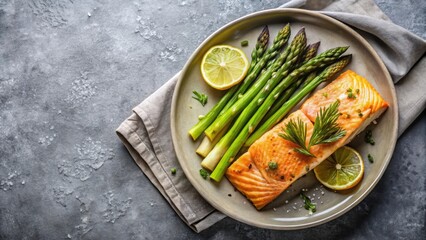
[360,104]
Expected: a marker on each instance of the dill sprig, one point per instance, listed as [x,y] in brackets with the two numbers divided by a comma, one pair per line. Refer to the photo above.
[296,132]
[201,97]
[326,130]
[308,204]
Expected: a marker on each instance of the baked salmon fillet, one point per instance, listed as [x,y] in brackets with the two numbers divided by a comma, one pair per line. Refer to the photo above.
[359,105]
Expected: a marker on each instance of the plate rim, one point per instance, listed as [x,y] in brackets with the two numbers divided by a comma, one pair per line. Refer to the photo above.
[387,157]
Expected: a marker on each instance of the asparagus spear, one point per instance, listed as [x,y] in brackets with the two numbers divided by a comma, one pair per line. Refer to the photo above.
[291,55]
[325,75]
[259,50]
[238,142]
[310,52]
[232,94]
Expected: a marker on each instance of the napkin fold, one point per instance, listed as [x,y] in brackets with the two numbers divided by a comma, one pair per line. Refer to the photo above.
[147,135]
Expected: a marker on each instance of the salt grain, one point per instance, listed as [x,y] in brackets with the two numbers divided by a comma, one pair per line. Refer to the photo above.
[116,208]
[170,53]
[82,89]
[91,155]
[147,28]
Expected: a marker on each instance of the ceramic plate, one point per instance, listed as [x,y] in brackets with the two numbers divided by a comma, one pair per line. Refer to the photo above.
[287,211]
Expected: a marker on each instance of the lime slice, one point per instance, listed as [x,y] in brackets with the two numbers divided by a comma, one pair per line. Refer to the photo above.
[224,66]
[342,170]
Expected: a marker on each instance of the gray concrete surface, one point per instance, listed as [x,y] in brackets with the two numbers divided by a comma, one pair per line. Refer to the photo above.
[71,70]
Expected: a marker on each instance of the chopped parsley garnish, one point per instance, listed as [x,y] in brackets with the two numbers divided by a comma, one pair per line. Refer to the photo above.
[201,97]
[173,171]
[359,113]
[351,95]
[308,204]
[368,138]
[357,91]
[325,95]
[244,43]
[370,158]
[204,174]
[272,165]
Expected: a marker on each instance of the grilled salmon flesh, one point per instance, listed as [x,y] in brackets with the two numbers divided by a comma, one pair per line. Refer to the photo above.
[359,105]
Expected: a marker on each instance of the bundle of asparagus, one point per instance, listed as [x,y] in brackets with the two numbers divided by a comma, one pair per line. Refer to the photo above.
[263,96]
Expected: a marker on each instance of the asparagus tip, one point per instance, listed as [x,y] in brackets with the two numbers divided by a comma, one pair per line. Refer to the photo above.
[347,57]
[316,45]
[286,28]
[311,49]
[264,35]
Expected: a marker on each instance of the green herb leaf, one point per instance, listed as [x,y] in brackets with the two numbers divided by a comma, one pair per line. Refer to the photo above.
[296,132]
[308,204]
[351,95]
[173,171]
[370,158]
[244,43]
[201,97]
[326,129]
[368,138]
[272,165]
[204,174]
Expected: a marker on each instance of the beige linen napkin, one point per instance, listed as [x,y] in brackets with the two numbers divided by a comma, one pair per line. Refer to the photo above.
[147,134]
